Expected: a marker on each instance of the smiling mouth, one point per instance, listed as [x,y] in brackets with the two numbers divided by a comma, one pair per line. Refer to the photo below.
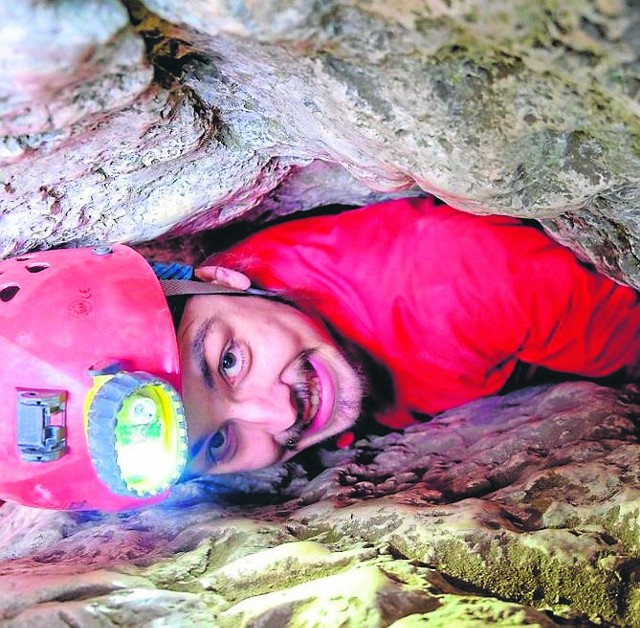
[307,399]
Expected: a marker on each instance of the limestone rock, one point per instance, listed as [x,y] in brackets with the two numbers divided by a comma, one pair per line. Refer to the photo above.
[128,120]
[223,111]
[517,510]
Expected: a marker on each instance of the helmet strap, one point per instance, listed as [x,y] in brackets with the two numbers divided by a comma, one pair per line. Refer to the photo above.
[183,288]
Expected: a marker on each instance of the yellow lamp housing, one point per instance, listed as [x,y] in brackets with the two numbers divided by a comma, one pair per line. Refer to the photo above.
[137,433]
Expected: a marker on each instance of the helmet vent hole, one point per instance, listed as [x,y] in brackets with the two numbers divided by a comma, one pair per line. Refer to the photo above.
[23,258]
[37,267]
[8,292]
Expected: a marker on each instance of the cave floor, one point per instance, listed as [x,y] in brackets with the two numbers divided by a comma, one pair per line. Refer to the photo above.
[520,510]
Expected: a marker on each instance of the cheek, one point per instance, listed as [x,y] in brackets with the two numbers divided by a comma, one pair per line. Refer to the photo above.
[294,330]
[281,341]
[255,450]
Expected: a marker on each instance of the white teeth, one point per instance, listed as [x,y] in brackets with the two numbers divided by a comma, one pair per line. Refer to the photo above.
[313,400]
[314,403]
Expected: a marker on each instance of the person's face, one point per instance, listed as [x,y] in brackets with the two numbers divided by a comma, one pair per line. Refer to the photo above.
[261,382]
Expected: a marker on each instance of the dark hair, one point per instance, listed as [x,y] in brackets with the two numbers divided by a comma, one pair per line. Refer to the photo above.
[176,307]
[173,270]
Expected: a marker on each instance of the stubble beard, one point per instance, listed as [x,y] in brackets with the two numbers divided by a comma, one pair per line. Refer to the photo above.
[350,387]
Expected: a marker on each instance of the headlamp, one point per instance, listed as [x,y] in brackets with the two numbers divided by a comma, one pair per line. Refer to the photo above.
[136,432]
[91,416]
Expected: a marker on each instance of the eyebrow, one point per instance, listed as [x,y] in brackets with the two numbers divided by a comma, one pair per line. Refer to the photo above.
[194,450]
[198,350]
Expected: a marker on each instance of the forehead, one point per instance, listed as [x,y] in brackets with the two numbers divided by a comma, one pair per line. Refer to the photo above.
[227,308]
[202,310]
[251,312]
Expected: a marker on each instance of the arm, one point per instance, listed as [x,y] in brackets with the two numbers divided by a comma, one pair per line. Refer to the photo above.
[579,321]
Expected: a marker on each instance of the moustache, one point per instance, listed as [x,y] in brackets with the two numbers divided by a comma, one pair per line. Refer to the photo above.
[302,398]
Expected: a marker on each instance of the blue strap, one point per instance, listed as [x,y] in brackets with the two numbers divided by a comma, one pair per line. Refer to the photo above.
[172,270]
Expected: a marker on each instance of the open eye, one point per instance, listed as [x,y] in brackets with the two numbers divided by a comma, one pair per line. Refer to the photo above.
[216,444]
[221,446]
[231,361]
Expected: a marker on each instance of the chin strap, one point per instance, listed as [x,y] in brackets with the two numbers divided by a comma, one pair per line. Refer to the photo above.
[188,287]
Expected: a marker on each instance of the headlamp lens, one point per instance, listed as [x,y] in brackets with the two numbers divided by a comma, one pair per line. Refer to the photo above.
[137,434]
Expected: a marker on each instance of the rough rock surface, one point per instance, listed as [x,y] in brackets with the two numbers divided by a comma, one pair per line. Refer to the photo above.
[520,510]
[124,121]
[117,124]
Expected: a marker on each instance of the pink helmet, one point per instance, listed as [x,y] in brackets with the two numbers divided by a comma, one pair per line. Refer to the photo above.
[90,381]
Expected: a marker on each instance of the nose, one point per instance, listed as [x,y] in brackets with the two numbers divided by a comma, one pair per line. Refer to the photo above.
[269,407]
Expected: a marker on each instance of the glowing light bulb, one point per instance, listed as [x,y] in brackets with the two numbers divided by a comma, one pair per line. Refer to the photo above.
[143,410]
[148,448]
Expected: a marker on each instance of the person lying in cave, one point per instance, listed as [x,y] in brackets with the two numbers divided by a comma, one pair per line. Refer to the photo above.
[124,377]
[390,313]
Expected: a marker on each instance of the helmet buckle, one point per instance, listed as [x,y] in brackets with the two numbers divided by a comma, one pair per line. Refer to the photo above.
[41,425]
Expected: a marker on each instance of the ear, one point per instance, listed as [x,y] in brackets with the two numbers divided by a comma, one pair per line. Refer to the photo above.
[223,277]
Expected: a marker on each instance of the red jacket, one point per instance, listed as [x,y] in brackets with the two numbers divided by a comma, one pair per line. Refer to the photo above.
[448,301]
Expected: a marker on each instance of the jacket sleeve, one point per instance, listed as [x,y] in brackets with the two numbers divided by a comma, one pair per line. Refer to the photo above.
[579,321]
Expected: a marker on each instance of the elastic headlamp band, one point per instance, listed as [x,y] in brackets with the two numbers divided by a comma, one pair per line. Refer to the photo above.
[180,287]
